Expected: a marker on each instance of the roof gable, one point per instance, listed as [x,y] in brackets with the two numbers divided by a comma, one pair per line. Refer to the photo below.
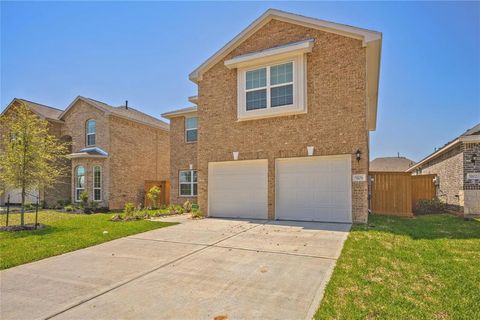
[372,41]
[41,110]
[122,112]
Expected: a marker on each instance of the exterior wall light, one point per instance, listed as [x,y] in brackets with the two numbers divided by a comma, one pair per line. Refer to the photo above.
[235,155]
[310,150]
[358,155]
[474,158]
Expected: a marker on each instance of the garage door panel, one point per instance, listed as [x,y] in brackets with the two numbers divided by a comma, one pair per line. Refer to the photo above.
[238,189]
[314,189]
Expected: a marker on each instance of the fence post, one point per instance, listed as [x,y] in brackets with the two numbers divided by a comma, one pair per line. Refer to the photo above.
[8,209]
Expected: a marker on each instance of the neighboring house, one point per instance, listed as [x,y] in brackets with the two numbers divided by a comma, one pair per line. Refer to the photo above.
[286,86]
[391,164]
[457,165]
[59,191]
[114,151]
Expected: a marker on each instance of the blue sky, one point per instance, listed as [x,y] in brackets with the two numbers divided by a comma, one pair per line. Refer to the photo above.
[113,51]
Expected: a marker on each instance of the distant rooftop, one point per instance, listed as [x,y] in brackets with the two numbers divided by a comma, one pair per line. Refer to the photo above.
[42,110]
[396,164]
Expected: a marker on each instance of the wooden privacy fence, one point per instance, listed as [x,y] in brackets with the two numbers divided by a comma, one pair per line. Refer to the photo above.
[396,193]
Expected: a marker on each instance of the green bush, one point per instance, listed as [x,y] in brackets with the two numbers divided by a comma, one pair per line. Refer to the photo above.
[429,206]
[153,194]
[197,213]
[128,209]
[69,208]
[187,206]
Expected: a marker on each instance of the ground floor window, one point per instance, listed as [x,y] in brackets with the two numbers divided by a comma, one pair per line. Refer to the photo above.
[188,183]
[79,181]
[97,183]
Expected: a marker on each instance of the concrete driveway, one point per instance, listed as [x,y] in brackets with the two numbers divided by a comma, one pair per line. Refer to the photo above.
[200,269]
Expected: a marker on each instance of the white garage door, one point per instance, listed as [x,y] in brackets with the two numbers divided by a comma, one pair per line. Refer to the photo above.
[314,189]
[238,189]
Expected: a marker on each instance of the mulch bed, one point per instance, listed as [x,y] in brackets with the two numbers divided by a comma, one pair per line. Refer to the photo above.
[29,226]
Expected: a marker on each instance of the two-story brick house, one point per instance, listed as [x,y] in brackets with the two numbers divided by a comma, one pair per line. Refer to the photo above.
[281,126]
[61,189]
[114,151]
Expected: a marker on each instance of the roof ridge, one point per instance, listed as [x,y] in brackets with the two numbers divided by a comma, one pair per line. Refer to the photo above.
[40,104]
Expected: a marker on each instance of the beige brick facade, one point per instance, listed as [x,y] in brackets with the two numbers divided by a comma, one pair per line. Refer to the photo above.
[336,121]
[182,155]
[137,152]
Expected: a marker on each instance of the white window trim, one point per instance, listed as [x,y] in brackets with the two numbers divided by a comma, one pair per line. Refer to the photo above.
[190,129]
[77,194]
[101,183]
[299,90]
[190,183]
[90,133]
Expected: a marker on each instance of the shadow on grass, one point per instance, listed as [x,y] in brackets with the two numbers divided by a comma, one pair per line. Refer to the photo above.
[429,227]
[40,232]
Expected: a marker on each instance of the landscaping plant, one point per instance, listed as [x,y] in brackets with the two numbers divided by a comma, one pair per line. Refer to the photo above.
[153,195]
[32,157]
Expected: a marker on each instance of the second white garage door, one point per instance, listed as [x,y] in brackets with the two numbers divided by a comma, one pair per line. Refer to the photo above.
[314,189]
[238,189]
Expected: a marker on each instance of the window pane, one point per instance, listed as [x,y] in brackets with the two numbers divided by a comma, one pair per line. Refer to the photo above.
[191,123]
[194,176]
[191,135]
[185,189]
[257,99]
[96,177]
[281,73]
[91,124]
[97,194]
[91,139]
[194,189]
[256,78]
[282,96]
[185,176]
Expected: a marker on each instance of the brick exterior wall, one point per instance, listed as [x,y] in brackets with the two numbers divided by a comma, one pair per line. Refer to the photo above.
[335,122]
[137,153]
[452,168]
[449,168]
[471,188]
[182,155]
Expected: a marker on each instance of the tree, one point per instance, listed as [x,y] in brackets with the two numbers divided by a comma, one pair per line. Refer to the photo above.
[153,194]
[31,157]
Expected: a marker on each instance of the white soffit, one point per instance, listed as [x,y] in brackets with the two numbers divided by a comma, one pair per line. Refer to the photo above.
[279,52]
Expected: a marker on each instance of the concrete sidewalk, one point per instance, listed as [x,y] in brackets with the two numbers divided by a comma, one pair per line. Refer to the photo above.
[198,269]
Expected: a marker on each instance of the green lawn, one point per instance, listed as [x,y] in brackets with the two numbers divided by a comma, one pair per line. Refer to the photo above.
[65,232]
[400,268]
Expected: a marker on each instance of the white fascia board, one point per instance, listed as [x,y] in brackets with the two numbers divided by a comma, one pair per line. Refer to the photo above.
[193,99]
[181,112]
[434,155]
[290,49]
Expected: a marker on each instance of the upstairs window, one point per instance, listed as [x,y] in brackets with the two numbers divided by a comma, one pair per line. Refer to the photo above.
[272,82]
[91,132]
[191,129]
[188,183]
[97,183]
[269,87]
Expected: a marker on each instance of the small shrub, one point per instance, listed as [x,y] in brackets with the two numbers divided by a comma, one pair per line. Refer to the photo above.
[128,209]
[197,214]
[430,206]
[153,194]
[187,206]
[29,206]
[69,208]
